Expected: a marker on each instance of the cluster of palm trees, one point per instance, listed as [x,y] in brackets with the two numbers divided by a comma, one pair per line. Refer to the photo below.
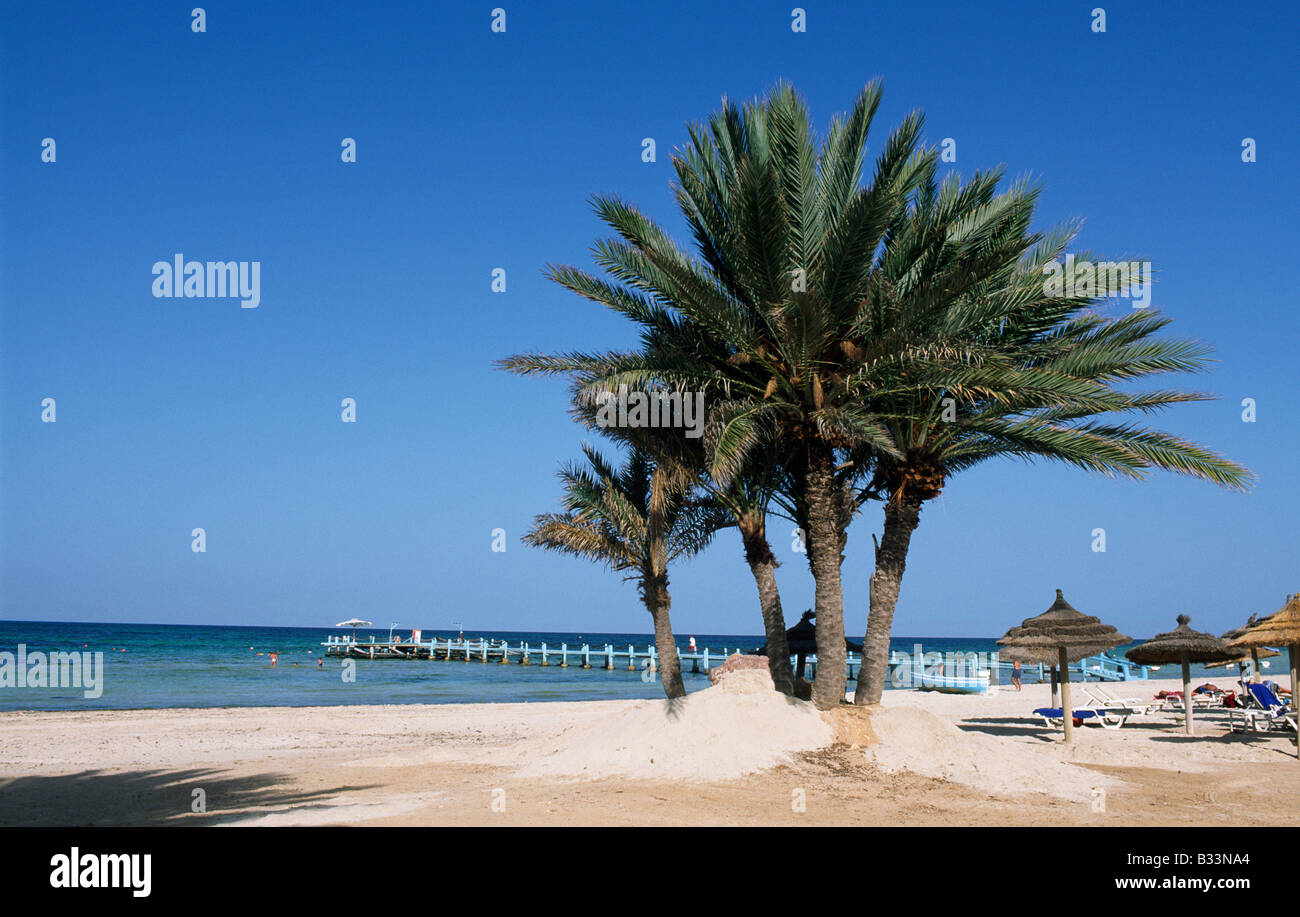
[858,337]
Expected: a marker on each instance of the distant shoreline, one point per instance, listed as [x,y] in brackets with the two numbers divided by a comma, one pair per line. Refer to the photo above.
[1158,681]
[200,667]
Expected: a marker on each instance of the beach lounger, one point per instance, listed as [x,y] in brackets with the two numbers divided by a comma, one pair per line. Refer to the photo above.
[1173,700]
[1132,706]
[1267,712]
[1105,718]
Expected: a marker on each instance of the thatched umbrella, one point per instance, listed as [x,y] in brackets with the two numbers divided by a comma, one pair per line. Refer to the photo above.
[802,642]
[1279,629]
[1059,636]
[1256,652]
[1182,645]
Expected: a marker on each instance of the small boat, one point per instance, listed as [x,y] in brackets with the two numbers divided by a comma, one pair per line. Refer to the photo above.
[953,684]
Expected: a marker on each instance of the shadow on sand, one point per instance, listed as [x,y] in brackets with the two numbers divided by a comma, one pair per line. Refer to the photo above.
[1158,731]
[149,797]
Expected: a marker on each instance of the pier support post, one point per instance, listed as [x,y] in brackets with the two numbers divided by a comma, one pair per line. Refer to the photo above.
[564,655]
[609,657]
[586,655]
[544,662]
[631,658]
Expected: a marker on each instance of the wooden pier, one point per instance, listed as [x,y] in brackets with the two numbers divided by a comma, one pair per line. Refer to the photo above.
[600,656]
[610,657]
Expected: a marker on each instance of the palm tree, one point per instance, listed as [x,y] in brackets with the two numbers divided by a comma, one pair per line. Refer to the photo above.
[638,517]
[746,498]
[887,333]
[744,501]
[1035,375]
[785,232]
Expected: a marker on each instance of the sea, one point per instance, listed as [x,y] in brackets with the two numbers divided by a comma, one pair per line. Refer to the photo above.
[176,665]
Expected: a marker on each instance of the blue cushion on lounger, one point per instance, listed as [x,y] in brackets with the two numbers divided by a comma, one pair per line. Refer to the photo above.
[1267,699]
[1054,713]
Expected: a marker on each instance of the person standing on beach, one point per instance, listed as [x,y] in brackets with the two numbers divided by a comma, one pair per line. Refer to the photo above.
[1015,674]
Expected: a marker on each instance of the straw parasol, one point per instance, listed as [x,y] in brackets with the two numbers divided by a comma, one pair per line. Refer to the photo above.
[802,642]
[1057,637]
[1185,646]
[1256,652]
[1279,629]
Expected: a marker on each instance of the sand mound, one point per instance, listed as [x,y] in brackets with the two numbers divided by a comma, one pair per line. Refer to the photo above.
[916,740]
[737,727]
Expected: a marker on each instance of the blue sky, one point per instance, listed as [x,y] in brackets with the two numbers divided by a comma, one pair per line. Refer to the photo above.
[478,150]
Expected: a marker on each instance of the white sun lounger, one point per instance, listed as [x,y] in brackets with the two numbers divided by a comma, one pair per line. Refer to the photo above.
[1132,706]
[1102,716]
[1199,702]
[1267,711]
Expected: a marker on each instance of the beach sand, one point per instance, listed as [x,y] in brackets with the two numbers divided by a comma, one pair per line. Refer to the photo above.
[918,759]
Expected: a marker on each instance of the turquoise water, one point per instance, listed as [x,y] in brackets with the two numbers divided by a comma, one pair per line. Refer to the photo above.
[159,665]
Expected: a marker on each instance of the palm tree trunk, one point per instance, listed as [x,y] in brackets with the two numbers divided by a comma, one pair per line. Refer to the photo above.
[763,563]
[825,555]
[902,516]
[658,601]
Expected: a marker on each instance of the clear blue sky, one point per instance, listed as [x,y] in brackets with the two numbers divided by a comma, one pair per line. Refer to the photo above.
[479,150]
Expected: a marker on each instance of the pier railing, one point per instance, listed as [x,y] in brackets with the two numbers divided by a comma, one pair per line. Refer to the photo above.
[586,656]
[1108,668]
[629,657]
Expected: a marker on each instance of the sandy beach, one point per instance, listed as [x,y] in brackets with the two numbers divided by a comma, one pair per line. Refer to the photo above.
[917,759]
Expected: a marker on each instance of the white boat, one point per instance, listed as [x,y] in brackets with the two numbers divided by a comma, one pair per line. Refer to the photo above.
[953,684]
